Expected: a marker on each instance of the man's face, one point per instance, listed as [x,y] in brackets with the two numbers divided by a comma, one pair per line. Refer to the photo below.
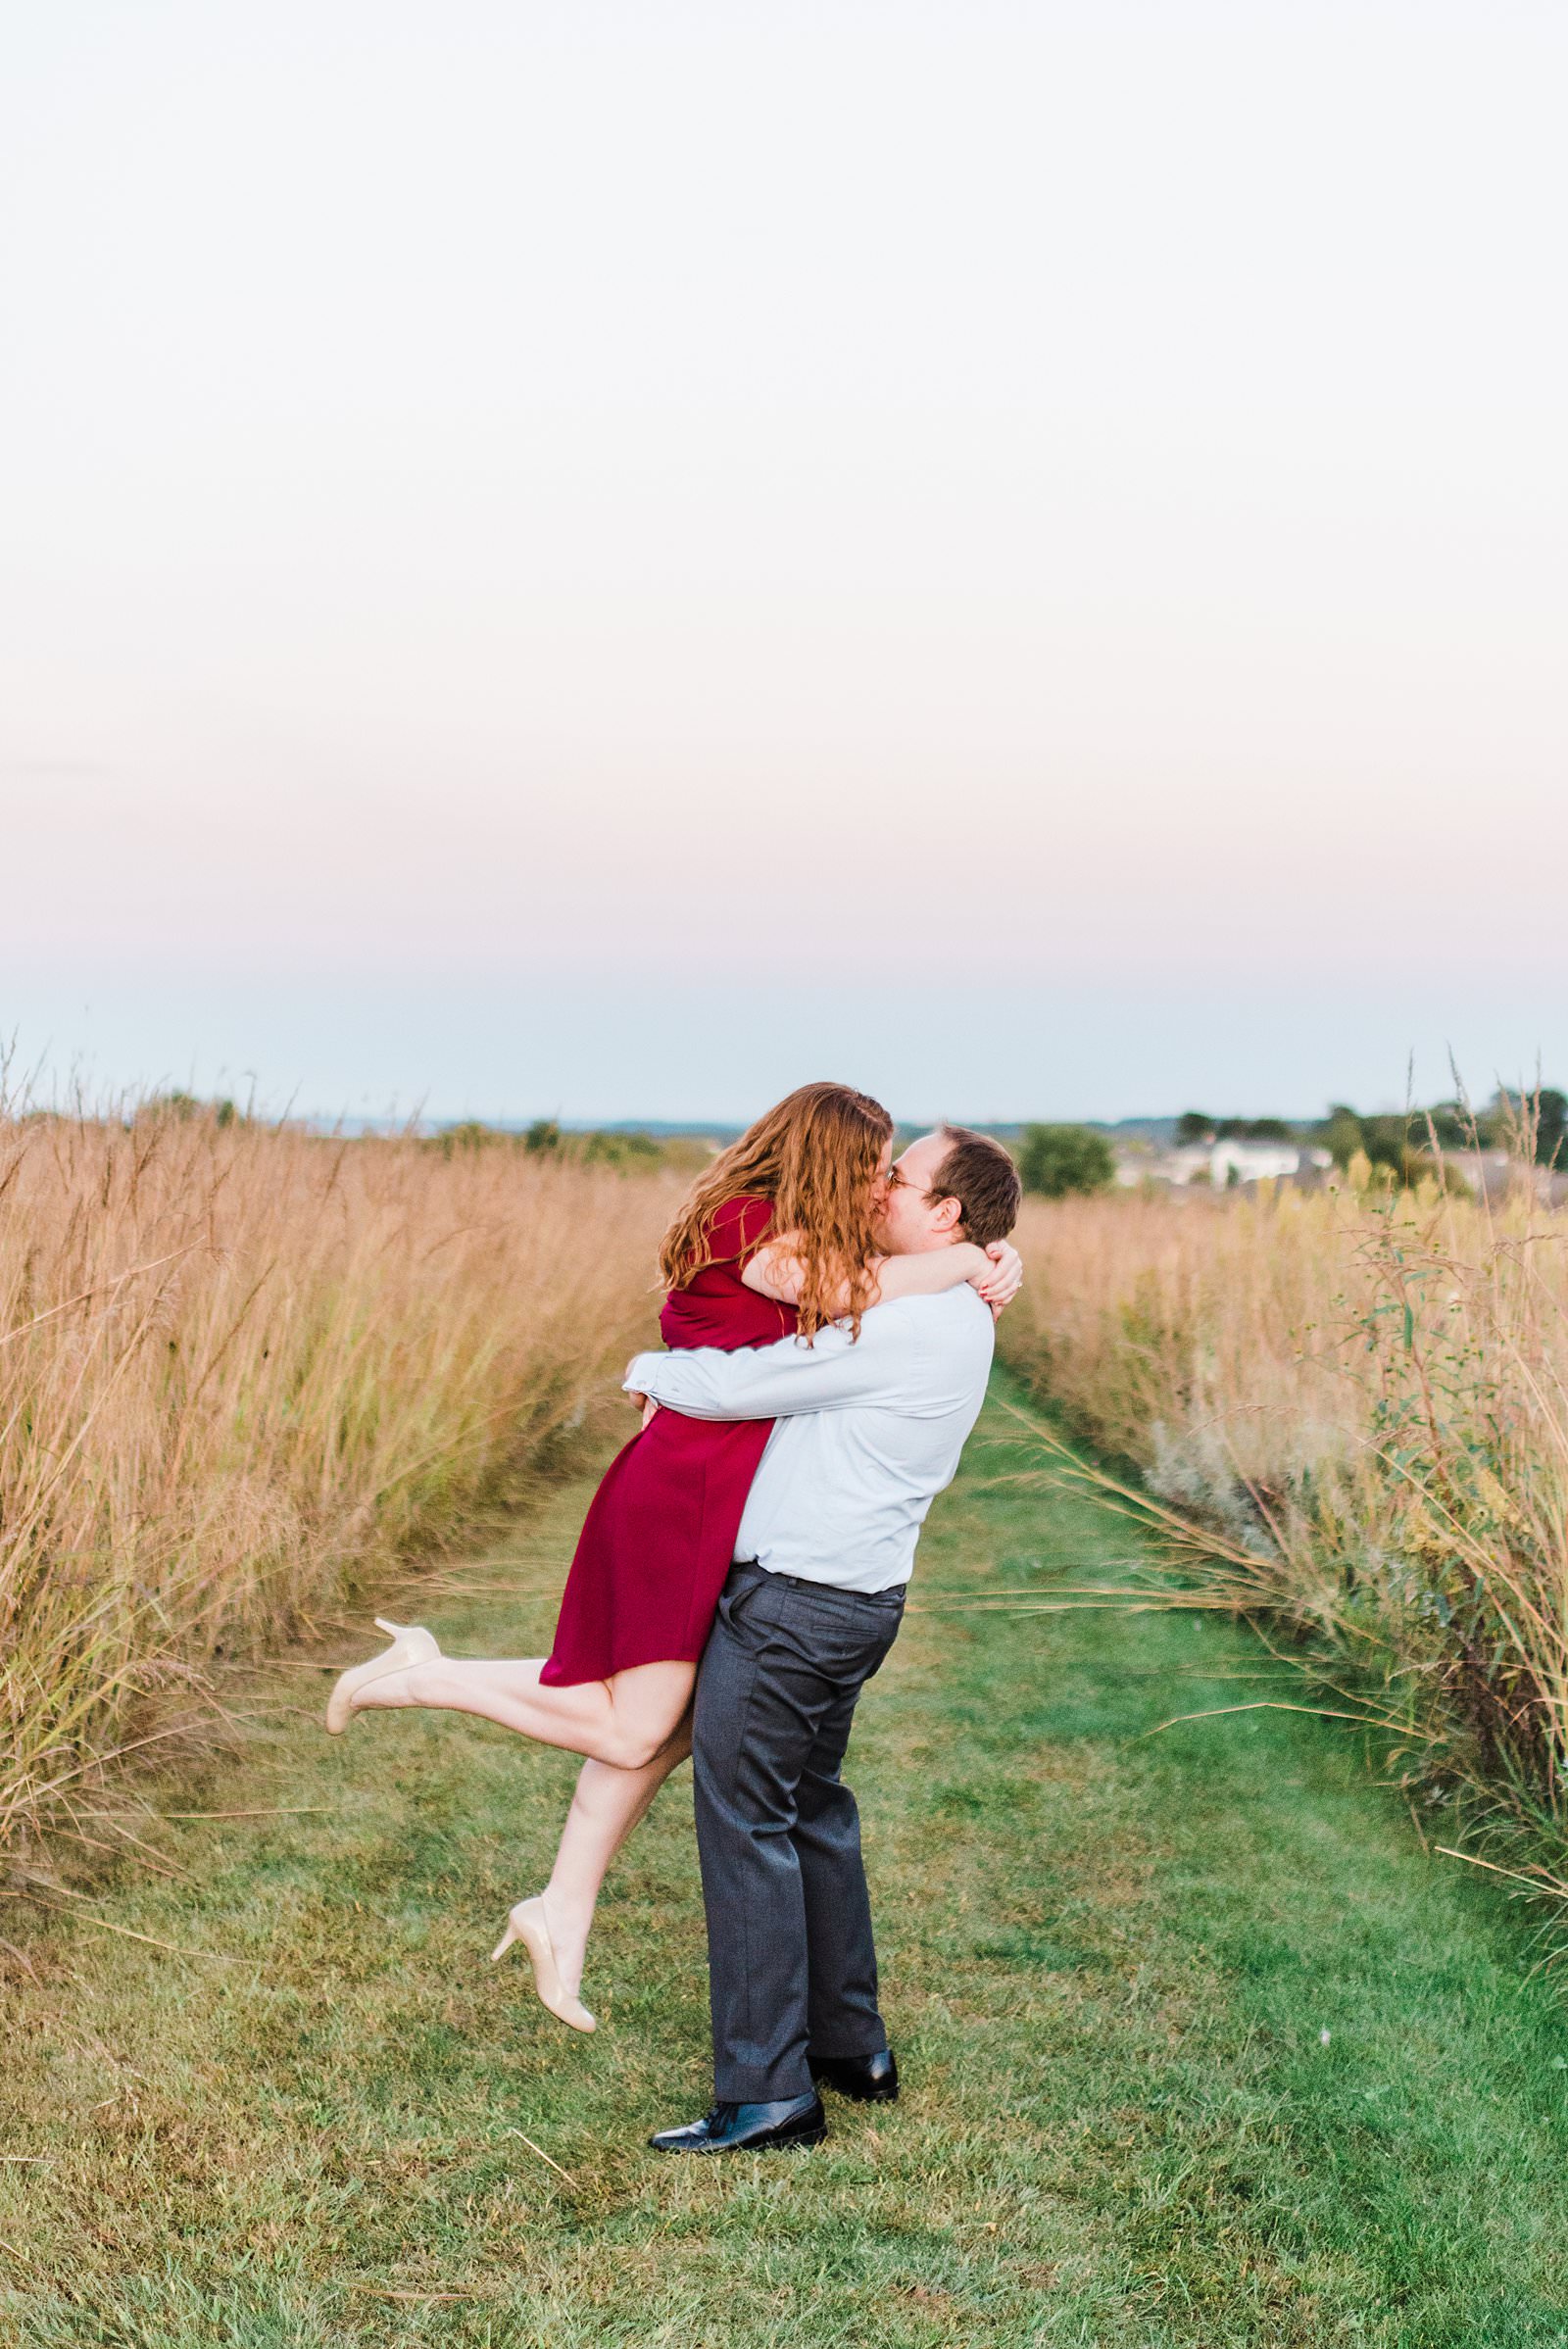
[910,1220]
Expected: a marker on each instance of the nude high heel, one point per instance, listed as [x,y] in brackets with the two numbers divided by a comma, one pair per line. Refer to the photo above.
[411,1643]
[528,1924]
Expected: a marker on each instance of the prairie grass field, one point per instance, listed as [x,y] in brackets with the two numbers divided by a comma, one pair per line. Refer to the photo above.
[1200,2049]
[1207,2045]
[242,1368]
[1347,1411]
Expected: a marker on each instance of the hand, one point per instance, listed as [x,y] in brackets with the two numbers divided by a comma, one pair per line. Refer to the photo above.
[1003,1276]
[636,1397]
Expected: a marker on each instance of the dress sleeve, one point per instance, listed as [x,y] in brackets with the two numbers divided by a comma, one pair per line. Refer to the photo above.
[739,1228]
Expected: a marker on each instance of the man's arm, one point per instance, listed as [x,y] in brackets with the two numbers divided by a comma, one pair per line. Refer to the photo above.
[777,1382]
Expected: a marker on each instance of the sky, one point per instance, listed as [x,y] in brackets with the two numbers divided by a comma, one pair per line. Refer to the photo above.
[604,560]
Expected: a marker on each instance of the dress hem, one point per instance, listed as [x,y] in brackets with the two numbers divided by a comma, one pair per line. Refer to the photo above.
[581,1679]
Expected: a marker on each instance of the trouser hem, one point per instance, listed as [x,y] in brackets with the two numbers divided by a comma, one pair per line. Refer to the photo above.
[762,2088]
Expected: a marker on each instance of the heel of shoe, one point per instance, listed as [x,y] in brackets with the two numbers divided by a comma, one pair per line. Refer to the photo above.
[414,1632]
[410,1644]
[534,1934]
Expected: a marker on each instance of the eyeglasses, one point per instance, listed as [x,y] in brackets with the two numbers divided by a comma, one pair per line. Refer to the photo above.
[900,1182]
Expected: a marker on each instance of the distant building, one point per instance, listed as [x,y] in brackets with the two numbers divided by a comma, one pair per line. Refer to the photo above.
[1222,1164]
[1253,1161]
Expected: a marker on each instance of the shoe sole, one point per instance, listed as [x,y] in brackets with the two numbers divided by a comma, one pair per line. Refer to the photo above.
[768,2145]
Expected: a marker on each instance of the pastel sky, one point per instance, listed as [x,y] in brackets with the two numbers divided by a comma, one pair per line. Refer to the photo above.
[606,559]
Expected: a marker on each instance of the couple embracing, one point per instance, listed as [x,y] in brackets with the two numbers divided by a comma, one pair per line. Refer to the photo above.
[741,1574]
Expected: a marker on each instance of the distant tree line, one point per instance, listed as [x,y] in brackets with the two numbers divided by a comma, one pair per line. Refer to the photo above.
[1532,1125]
[545,1138]
[187,1108]
[1056,1162]
[630,1153]
[1195,1126]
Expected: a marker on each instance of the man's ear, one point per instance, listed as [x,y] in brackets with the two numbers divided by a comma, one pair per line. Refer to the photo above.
[948,1215]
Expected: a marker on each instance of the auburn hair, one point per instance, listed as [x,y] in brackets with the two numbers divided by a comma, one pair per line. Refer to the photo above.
[815,1159]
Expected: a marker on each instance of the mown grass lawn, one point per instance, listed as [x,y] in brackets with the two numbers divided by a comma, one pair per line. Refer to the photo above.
[1109,1961]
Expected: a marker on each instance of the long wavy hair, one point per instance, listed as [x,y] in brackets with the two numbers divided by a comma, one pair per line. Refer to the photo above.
[814,1158]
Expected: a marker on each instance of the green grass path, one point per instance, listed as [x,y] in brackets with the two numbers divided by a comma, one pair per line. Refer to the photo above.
[1109,1961]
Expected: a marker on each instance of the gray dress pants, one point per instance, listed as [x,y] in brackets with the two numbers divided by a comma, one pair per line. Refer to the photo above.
[791,1960]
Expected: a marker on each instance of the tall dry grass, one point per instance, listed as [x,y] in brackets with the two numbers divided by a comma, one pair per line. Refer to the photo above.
[1351,1414]
[239,1369]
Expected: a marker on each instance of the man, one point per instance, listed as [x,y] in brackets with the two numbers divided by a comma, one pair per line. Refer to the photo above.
[869,1430]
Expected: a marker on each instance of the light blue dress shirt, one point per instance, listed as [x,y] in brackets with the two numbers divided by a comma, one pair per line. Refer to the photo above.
[869,1430]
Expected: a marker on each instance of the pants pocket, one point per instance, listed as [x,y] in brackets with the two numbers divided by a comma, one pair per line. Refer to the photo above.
[743,1606]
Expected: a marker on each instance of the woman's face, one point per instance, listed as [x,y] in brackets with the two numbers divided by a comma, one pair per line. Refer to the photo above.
[879,1181]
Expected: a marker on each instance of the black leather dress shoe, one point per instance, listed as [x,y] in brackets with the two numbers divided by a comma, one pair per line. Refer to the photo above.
[749,2128]
[868,2079]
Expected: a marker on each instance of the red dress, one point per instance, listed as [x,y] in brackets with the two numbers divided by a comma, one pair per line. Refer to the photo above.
[660,1533]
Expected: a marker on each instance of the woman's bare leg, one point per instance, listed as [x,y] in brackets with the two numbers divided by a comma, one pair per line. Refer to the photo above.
[625,1721]
[607,1805]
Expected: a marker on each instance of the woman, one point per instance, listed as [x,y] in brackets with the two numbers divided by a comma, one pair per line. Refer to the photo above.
[777,1237]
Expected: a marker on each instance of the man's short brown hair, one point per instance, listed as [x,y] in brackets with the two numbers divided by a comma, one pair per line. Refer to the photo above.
[979,1173]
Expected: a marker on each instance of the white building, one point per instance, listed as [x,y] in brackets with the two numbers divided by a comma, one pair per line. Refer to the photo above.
[1221,1163]
[1251,1162]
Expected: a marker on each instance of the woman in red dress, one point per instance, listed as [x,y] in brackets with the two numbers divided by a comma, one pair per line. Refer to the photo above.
[778,1237]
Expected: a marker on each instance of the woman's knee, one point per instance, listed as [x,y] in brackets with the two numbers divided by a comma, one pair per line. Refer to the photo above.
[646,1713]
[629,1749]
